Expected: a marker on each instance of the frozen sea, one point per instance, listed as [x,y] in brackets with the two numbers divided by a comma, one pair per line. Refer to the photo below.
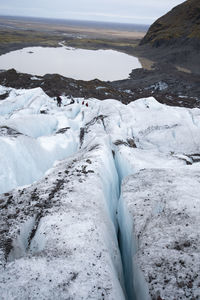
[79,64]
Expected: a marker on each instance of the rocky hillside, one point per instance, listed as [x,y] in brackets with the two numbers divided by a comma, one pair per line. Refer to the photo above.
[178,34]
[182,23]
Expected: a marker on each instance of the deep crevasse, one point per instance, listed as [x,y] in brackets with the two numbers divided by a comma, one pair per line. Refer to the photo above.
[136,287]
[118,167]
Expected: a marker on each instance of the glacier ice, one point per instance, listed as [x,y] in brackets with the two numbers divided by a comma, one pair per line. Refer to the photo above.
[77,180]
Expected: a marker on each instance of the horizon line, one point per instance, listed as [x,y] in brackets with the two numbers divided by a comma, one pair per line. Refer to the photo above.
[76,20]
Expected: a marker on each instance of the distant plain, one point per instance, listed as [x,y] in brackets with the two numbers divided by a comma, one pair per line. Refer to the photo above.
[20,32]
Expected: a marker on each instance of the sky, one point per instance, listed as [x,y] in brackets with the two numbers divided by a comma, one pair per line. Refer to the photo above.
[123,11]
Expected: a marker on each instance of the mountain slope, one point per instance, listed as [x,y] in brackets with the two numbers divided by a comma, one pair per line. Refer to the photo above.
[175,37]
[181,24]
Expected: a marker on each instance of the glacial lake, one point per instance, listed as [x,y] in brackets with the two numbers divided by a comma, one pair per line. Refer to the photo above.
[81,64]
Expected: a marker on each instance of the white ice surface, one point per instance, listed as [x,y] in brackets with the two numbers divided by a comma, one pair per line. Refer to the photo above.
[163,206]
[150,142]
[26,157]
[74,253]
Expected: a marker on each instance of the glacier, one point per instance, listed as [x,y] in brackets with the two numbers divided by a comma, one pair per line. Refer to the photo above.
[98,202]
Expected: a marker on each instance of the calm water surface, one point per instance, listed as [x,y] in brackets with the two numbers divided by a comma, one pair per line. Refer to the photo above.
[70,62]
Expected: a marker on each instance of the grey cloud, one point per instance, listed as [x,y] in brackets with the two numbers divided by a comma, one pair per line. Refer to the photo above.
[130,11]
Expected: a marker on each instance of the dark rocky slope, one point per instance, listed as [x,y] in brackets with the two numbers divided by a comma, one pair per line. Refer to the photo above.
[181,24]
[175,37]
[164,82]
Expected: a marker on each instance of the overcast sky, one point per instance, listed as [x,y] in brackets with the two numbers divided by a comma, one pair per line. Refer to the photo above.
[126,11]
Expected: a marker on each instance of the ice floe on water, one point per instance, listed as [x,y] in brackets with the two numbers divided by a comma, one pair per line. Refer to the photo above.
[98,202]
